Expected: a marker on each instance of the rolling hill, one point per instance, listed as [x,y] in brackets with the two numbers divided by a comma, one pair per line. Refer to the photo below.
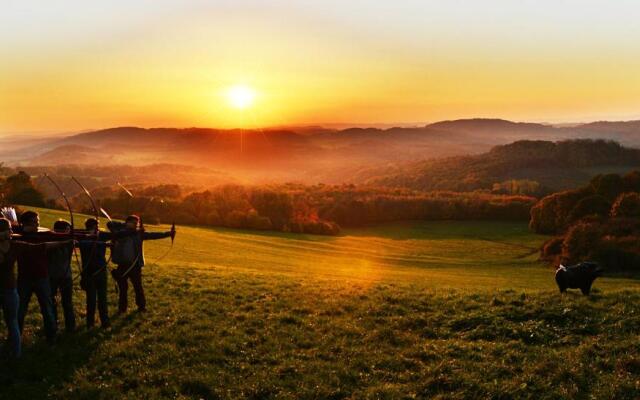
[307,154]
[422,310]
[355,141]
[554,165]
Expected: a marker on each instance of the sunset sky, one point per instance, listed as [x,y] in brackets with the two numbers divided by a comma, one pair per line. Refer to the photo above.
[74,65]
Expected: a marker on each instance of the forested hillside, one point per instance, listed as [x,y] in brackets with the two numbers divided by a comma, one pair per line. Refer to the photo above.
[523,167]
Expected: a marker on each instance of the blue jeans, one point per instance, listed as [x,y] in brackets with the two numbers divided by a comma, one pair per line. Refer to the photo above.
[10,305]
[42,289]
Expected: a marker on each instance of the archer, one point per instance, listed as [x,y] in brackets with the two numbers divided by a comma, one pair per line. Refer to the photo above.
[128,254]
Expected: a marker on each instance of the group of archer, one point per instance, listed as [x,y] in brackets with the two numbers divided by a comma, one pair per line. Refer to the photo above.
[37,261]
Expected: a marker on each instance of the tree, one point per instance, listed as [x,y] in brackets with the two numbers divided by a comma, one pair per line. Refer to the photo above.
[609,185]
[581,241]
[627,205]
[19,189]
[276,206]
[632,181]
[550,214]
[590,205]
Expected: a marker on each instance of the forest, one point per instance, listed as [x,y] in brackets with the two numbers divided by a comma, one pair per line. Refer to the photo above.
[600,221]
[298,208]
[530,167]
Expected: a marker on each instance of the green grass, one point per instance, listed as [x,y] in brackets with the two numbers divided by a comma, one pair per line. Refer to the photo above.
[412,310]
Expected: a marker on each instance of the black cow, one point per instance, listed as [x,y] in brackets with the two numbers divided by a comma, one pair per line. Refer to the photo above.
[579,276]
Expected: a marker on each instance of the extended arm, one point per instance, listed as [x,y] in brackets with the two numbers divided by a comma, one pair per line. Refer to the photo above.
[20,246]
[57,245]
[156,235]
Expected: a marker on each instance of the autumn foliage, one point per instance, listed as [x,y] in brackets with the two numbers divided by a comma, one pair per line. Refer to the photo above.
[318,209]
[598,222]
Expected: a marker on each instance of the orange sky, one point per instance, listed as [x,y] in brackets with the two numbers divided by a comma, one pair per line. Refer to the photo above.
[69,65]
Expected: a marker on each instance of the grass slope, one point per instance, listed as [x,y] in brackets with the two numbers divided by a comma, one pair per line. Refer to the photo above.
[416,310]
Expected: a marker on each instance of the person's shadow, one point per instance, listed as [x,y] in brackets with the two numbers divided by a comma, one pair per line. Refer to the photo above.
[43,367]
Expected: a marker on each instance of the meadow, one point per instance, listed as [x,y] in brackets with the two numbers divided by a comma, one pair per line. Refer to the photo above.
[408,310]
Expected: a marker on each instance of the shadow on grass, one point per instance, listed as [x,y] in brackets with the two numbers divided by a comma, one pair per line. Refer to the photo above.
[446,230]
[404,230]
[43,367]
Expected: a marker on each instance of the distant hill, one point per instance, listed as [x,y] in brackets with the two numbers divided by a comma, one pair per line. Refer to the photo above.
[308,153]
[553,165]
[65,154]
[625,132]
[318,154]
[486,126]
[478,124]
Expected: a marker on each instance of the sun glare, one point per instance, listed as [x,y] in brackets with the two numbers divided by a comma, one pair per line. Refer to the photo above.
[240,96]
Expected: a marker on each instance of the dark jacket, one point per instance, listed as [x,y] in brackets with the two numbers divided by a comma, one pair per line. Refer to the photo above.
[138,238]
[35,264]
[94,252]
[8,269]
[150,236]
[60,263]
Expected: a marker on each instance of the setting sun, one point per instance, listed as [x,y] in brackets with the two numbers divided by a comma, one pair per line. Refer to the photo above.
[240,96]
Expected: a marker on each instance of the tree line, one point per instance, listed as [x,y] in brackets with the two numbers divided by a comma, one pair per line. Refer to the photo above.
[527,167]
[600,221]
[318,209]
[298,208]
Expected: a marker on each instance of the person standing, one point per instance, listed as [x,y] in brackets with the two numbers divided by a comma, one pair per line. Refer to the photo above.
[33,272]
[128,254]
[10,299]
[60,278]
[10,250]
[94,273]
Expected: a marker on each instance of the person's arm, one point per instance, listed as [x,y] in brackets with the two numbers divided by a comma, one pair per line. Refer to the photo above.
[121,234]
[156,235]
[106,236]
[59,244]
[82,235]
[19,246]
[93,238]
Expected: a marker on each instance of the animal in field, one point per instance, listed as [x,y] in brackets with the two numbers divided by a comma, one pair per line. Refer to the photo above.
[579,276]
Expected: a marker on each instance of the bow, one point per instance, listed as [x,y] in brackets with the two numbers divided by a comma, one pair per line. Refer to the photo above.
[141,229]
[173,237]
[66,200]
[96,214]
[93,203]
[173,226]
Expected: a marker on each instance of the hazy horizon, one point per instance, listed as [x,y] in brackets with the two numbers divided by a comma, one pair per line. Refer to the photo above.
[327,125]
[74,66]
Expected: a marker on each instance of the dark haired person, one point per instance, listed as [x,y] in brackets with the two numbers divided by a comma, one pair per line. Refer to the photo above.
[60,278]
[128,254]
[33,272]
[10,250]
[94,273]
[10,299]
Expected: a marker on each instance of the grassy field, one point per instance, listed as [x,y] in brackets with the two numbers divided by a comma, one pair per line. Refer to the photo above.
[413,310]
